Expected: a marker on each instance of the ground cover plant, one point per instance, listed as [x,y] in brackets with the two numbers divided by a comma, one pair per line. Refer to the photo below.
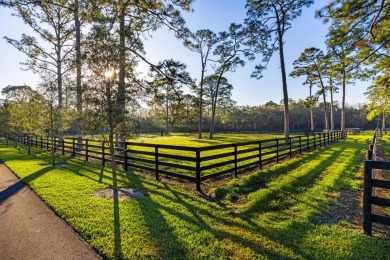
[272,213]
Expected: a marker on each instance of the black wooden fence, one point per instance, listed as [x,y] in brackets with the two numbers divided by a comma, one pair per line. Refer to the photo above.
[370,183]
[195,164]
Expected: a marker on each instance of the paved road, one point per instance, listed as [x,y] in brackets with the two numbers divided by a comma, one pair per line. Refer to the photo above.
[30,230]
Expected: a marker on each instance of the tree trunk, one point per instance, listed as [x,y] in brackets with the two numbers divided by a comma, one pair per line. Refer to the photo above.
[59,91]
[53,162]
[343,103]
[78,74]
[311,119]
[384,121]
[166,113]
[200,122]
[121,97]
[212,119]
[331,110]
[284,80]
[325,111]
[311,109]
[111,137]
[113,159]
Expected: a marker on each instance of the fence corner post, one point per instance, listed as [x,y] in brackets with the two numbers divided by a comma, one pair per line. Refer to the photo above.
[367,190]
[156,162]
[86,149]
[260,156]
[198,179]
[235,160]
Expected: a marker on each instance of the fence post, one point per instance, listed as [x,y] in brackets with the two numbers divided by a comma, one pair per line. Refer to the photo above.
[198,180]
[63,147]
[103,155]
[235,160]
[367,209]
[308,142]
[289,140]
[314,144]
[300,144]
[328,138]
[277,150]
[156,162]
[73,147]
[260,156]
[369,154]
[125,156]
[86,149]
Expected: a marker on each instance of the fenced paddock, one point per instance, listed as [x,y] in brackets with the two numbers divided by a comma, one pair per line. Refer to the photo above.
[370,200]
[194,164]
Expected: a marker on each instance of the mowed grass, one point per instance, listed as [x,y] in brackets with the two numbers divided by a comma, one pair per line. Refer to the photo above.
[272,213]
[193,141]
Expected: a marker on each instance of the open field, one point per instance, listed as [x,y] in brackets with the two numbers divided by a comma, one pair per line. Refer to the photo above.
[279,212]
[192,139]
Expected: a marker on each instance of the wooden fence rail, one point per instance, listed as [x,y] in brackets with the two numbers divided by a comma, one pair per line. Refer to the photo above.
[195,164]
[370,200]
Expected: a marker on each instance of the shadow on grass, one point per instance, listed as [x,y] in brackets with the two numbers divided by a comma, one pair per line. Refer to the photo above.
[117,228]
[160,230]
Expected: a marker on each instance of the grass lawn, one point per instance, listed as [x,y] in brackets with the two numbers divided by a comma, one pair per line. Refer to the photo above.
[192,139]
[273,213]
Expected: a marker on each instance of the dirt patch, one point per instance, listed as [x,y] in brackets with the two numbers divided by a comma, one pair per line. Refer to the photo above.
[123,193]
[347,207]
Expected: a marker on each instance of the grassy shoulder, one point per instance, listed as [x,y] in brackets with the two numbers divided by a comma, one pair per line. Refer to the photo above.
[273,213]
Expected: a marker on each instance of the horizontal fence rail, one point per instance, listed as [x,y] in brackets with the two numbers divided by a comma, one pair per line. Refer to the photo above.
[194,164]
[370,200]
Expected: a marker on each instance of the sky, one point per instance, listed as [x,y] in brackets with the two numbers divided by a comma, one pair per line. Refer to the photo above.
[215,15]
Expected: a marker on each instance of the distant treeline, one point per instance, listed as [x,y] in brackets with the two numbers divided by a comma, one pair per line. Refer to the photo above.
[264,118]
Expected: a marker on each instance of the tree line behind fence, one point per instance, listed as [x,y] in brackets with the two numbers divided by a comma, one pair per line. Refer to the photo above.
[195,164]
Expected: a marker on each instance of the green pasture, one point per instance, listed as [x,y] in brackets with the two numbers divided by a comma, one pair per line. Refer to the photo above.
[273,213]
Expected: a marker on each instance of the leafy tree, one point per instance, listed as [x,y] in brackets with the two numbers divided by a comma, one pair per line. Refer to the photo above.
[363,22]
[378,95]
[217,90]
[135,19]
[268,21]
[105,110]
[189,110]
[168,79]
[27,111]
[310,64]
[344,66]
[311,101]
[202,42]
[229,54]
[51,22]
